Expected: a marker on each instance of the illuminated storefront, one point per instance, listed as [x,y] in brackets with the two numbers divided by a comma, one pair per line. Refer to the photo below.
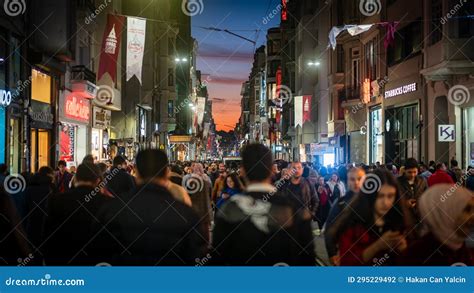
[74,117]
[41,120]
[100,133]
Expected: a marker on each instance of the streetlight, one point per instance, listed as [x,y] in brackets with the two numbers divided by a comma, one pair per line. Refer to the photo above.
[314,63]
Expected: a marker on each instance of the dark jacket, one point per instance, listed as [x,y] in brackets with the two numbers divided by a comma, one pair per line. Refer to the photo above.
[121,183]
[62,181]
[262,228]
[152,228]
[36,198]
[407,192]
[428,251]
[332,233]
[303,195]
[69,226]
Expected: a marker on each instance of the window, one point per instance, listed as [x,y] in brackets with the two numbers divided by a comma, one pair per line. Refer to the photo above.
[170,77]
[355,68]
[171,47]
[340,58]
[466,21]
[408,41]
[170,109]
[370,50]
[40,87]
[435,25]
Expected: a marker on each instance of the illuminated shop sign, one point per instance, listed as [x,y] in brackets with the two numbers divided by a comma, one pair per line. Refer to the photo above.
[5,98]
[409,88]
[77,108]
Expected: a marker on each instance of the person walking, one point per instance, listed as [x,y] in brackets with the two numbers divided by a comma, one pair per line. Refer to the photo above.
[198,186]
[153,227]
[440,176]
[449,220]
[232,187]
[121,182]
[261,227]
[412,187]
[71,215]
[63,177]
[300,191]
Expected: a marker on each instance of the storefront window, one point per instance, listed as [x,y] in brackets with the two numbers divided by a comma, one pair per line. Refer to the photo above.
[376,151]
[14,144]
[41,87]
[39,149]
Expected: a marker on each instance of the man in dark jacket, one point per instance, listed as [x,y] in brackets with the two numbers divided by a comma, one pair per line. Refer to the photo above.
[301,191]
[63,177]
[68,230]
[121,183]
[260,227]
[151,227]
[412,187]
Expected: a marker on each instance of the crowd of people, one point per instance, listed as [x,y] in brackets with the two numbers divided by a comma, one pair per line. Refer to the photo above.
[257,212]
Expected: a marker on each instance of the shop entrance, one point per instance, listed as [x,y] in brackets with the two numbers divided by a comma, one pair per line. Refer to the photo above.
[40,153]
[401,134]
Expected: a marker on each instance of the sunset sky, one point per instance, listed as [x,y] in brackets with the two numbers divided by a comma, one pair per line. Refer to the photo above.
[225,60]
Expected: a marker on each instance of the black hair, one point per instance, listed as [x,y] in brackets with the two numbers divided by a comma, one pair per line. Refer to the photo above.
[62,163]
[454,163]
[362,211]
[257,161]
[235,178]
[118,160]
[88,172]
[88,159]
[152,163]
[411,163]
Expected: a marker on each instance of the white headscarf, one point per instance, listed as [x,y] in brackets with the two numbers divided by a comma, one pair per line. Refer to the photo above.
[440,206]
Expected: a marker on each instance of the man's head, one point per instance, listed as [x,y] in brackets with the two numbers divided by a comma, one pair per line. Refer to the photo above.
[120,162]
[297,169]
[257,162]
[411,169]
[275,168]
[440,166]
[88,175]
[221,168]
[62,166]
[355,179]
[454,163]
[152,164]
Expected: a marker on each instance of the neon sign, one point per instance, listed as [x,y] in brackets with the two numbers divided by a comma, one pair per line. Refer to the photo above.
[5,98]
[77,108]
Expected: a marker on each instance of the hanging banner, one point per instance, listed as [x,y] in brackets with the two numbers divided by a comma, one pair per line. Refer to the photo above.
[110,46]
[136,29]
[201,107]
[299,111]
[67,142]
[207,125]
[306,108]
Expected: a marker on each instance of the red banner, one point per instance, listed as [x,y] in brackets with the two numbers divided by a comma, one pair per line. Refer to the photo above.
[306,108]
[111,46]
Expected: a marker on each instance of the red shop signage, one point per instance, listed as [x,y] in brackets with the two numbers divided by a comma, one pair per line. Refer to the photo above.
[77,108]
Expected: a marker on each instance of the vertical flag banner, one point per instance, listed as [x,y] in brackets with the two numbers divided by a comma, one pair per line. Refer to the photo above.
[299,111]
[306,108]
[201,105]
[136,29]
[110,46]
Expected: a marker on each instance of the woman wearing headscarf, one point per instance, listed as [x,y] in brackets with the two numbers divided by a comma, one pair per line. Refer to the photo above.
[448,213]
